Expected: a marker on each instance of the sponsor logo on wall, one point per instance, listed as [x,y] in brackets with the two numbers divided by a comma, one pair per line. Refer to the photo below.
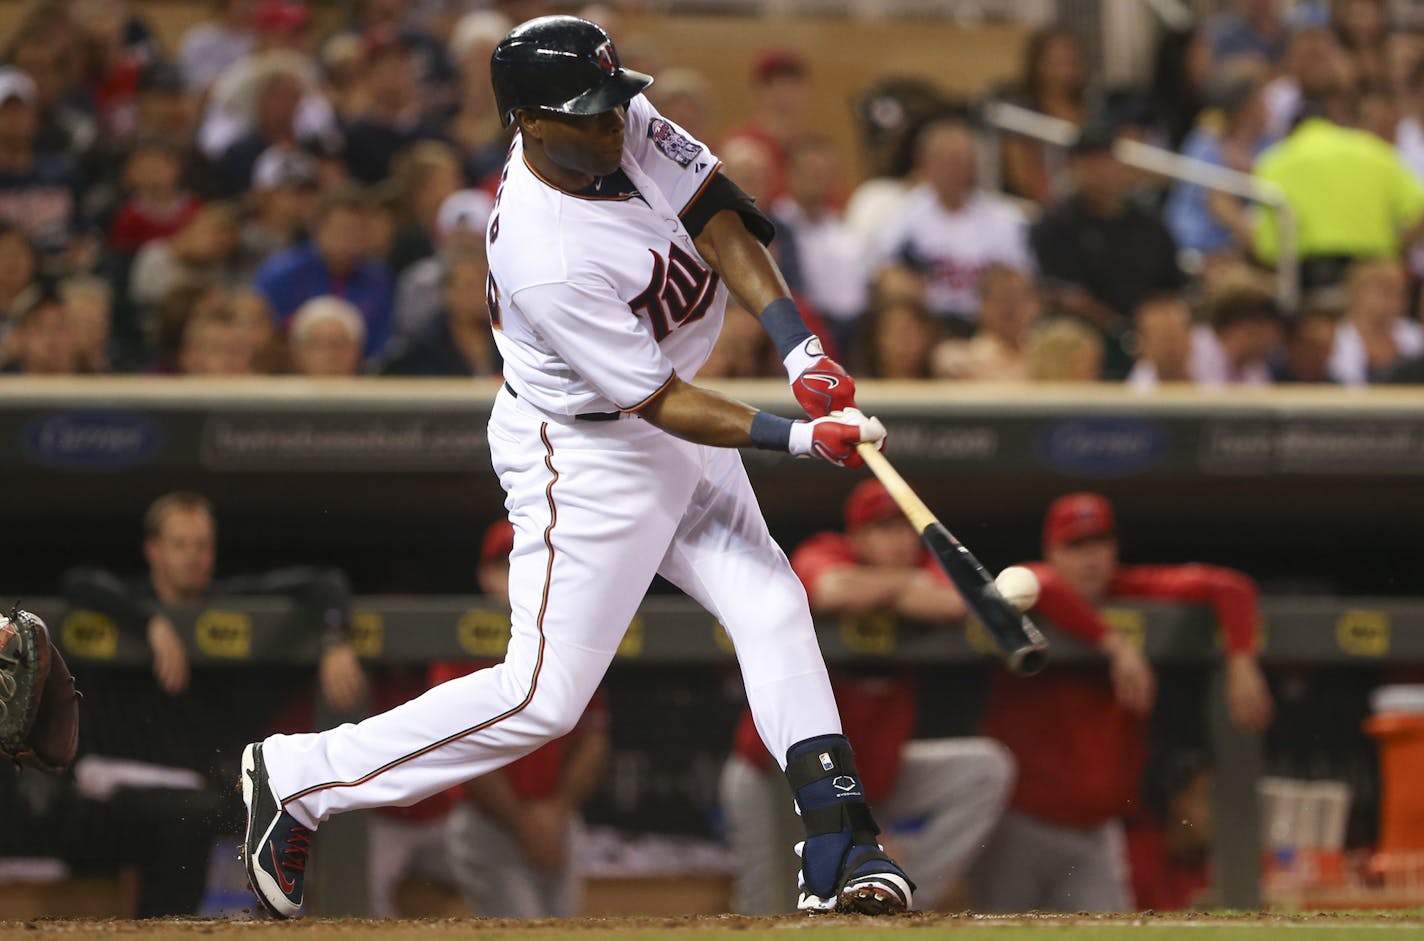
[1103,447]
[92,440]
[394,441]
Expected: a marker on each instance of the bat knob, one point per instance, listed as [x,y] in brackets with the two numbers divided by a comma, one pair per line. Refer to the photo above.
[1026,661]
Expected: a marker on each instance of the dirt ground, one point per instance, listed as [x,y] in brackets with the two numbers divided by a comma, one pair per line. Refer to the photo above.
[916,927]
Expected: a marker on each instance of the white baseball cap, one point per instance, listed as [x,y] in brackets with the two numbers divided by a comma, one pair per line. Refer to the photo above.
[17,84]
[283,166]
[463,211]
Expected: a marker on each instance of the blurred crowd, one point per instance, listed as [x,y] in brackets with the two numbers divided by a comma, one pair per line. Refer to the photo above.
[288,192]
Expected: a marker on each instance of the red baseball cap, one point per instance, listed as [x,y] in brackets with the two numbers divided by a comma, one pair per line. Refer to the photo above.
[775,63]
[498,542]
[868,503]
[1078,516]
[282,16]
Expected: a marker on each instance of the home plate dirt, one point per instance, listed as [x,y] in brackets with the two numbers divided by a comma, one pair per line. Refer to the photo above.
[915,927]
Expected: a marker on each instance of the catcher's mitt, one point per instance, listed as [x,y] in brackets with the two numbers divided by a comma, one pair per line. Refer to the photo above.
[39,706]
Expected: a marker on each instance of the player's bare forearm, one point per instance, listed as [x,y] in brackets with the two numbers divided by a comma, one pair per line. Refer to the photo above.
[701,416]
[583,767]
[742,261]
[859,589]
[928,599]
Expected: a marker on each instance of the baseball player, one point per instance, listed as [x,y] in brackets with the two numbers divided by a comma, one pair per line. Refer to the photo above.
[613,244]
[1079,734]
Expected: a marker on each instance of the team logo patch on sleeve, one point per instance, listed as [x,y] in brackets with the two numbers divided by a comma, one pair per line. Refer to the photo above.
[674,146]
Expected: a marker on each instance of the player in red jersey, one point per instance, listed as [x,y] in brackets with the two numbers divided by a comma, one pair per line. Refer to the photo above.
[1079,733]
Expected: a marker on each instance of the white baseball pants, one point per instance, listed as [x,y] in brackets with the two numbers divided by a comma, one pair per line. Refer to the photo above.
[597,509]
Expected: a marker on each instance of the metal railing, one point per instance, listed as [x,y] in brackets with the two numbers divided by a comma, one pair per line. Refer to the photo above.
[1001,117]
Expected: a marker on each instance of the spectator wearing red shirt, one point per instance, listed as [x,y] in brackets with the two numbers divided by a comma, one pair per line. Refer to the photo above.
[156,206]
[1079,733]
[513,836]
[781,84]
[937,800]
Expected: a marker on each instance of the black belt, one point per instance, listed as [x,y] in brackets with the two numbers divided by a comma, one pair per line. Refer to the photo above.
[585,416]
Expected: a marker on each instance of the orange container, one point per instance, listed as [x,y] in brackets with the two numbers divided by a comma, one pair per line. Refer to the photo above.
[1401,749]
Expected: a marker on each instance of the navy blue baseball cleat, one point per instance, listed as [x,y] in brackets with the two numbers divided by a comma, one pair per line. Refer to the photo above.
[843,866]
[276,846]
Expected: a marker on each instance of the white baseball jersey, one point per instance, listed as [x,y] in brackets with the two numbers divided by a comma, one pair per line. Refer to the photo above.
[953,247]
[598,297]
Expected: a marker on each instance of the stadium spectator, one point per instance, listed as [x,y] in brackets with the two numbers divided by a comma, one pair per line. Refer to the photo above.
[18,285]
[896,340]
[687,99]
[1054,82]
[280,203]
[337,261]
[1360,27]
[283,36]
[513,838]
[42,341]
[1376,333]
[212,345]
[1181,74]
[457,341]
[277,93]
[743,350]
[402,18]
[949,230]
[781,85]
[889,116]
[1009,309]
[1064,349]
[211,46]
[1377,112]
[256,331]
[88,305]
[1350,194]
[1316,70]
[1310,338]
[1245,330]
[203,252]
[396,116]
[1233,135]
[184,721]
[472,122]
[39,191]
[111,68]
[459,227]
[1100,254]
[155,205]
[938,798]
[1079,733]
[423,176]
[1163,325]
[1254,28]
[830,266]
[46,47]
[325,338]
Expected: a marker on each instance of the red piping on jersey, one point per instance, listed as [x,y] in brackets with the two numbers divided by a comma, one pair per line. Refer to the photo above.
[700,190]
[656,394]
[538,661]
[621,197]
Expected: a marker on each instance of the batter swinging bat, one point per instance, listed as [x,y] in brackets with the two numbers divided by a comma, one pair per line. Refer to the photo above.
[1024,649]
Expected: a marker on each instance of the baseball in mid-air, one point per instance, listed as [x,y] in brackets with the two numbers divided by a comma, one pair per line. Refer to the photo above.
[1019,587]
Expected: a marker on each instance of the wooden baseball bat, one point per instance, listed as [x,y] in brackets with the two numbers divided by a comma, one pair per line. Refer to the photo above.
[1024,648]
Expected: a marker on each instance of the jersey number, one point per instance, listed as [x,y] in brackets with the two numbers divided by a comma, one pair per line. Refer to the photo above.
[492,302]
[679,292]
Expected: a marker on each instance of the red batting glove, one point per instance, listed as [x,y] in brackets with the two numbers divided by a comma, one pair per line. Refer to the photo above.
[821,385]
[834,437]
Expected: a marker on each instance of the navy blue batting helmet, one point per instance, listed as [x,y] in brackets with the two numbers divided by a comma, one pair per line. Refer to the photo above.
[560,63]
